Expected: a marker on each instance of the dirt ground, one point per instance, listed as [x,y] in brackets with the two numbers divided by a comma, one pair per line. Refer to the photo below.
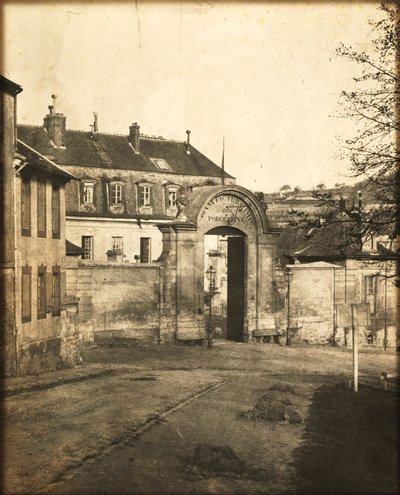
[237,418]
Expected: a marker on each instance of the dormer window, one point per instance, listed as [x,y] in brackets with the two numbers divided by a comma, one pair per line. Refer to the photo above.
[160,163]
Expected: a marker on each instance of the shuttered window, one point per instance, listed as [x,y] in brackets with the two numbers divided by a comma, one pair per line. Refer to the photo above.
[56,291]
[26,293]
[25,206]
[41,292]
[41,208]
[56,213]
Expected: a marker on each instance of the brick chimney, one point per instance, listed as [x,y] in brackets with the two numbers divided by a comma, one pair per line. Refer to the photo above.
[134,136]
[55,124]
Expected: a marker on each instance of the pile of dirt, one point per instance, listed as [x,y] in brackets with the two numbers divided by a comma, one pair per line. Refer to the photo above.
[274,411]
[220,460]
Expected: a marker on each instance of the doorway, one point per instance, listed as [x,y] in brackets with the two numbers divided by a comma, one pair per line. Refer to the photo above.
[225,252]
[235,299]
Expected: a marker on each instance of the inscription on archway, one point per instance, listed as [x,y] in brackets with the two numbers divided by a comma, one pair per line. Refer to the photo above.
[226,209]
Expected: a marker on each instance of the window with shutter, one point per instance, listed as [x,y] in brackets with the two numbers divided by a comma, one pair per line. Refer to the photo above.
[56,291]
[25,206]
[56,213]
[41,208]
[41,292]
[49,292]
[26,293]
[63,289]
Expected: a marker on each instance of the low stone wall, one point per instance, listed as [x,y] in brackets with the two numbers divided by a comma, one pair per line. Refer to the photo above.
[117,301]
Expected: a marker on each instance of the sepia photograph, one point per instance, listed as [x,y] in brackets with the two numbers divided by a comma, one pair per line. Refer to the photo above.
[199,256]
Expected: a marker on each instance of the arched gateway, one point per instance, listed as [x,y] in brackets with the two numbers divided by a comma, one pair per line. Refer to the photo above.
[225,210]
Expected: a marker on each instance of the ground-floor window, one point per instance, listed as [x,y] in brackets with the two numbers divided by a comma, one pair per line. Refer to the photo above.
[56,306]
[26,293]
[145,249]
[118,244]
[41,292]
[87,246]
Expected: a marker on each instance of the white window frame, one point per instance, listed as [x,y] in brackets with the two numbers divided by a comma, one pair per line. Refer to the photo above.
[118,244]
[88,193]
[88,250]
[145,195]
[116,193]
[172,203]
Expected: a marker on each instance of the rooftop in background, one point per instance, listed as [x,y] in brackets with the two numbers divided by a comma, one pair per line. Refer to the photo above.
[115,151]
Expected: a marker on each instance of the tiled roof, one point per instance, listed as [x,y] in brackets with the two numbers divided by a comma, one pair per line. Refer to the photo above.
[113,151]
[38,161]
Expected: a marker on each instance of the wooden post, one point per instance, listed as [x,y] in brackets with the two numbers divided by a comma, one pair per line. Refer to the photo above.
[354,325]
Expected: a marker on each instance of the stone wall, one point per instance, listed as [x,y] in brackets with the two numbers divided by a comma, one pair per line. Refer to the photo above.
[117,301]
[312,302]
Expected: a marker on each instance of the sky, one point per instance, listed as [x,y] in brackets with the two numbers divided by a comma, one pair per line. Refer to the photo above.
[263,76]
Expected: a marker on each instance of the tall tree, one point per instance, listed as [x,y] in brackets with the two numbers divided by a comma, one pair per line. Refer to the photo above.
[374,151]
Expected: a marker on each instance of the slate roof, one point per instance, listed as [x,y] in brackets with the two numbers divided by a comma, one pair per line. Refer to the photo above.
[37,161]
[9,86]
[327,243]
[72,249]
[113,151]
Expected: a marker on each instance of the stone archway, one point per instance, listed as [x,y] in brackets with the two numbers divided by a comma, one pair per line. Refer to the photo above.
[182,262]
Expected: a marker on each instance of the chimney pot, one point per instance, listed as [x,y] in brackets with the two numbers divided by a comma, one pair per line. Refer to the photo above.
[134,136]
[96,122]
[188,142]
[55,124]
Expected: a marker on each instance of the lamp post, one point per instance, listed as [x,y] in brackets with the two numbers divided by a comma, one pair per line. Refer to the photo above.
[210,274]
[288,279]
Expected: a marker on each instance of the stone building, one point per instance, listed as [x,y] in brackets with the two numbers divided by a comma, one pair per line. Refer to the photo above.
[328,277]
[126,185]
[41,331]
